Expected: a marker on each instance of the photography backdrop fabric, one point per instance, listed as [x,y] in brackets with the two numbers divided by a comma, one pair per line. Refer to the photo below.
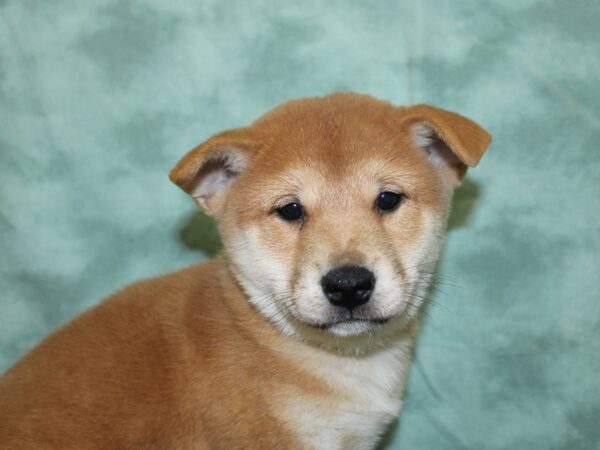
[99,99]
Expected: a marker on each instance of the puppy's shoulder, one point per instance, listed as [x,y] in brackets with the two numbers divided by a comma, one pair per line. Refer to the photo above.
[132,351]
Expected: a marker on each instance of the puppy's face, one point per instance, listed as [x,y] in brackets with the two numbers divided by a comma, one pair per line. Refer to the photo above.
[333,210]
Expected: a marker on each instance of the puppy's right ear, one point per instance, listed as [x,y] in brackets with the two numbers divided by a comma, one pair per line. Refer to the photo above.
[207,171]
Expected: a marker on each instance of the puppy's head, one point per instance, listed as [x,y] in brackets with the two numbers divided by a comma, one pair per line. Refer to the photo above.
[333,210]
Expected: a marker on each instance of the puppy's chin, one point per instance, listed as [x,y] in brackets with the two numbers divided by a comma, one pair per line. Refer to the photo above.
[353,327]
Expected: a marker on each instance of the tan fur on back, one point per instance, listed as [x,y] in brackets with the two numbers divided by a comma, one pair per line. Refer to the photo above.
[244,352]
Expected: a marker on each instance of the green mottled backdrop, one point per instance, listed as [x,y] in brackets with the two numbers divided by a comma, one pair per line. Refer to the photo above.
[99,98]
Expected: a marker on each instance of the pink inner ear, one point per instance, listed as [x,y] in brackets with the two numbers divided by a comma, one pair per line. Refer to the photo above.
[217,173]
[438,152]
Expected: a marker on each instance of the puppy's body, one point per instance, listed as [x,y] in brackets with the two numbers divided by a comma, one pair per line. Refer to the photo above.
[332,212]
[182,361]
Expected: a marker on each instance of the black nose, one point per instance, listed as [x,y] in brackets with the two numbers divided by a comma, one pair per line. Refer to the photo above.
[348,286]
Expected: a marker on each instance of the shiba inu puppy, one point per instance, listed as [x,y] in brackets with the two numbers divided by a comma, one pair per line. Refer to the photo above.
[332,212]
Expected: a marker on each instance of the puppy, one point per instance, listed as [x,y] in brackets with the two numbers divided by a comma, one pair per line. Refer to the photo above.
[332,212]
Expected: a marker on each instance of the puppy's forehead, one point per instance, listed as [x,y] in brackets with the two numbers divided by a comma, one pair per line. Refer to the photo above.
[331,133]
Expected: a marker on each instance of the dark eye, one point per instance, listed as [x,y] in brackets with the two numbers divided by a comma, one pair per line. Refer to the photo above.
[291,212]
[389,201]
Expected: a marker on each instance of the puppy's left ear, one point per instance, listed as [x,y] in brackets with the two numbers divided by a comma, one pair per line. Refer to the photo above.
[208,171]
[451,141]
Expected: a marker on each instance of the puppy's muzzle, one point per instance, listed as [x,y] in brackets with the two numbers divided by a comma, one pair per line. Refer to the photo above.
[348,286]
